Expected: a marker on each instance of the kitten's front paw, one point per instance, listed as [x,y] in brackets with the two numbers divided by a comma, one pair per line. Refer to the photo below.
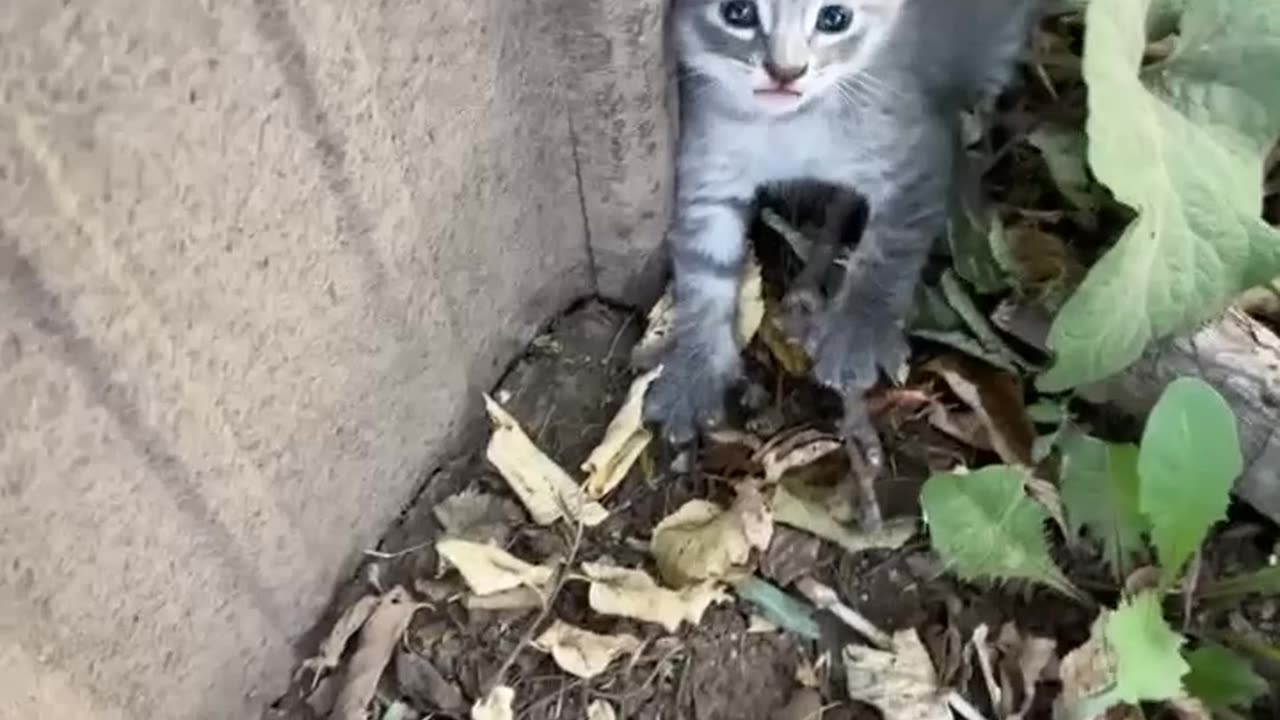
[849,348]
[688,397]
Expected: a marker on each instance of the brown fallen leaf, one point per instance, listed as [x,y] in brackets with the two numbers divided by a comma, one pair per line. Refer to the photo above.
[1086,674]
[902,684]
[791,555]
[1028,659]
[700,541]
[996,395]
[378,639]
[632,593]
[496,705]
[488,569]
[348,624]
[478,516]
[794,449]
[965,426]
[810,512]
[624,439]
[544,487]
[581,652]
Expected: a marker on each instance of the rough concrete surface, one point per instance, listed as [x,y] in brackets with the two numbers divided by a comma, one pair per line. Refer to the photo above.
[623,90]
[257,260]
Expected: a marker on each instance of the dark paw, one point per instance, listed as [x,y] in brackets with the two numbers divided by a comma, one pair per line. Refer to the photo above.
[688,398]
[848,350]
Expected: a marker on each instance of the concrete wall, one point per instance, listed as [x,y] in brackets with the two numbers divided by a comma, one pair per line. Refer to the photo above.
[257,260]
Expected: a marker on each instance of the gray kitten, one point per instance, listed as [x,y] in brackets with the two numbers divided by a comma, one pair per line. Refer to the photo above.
[860,94]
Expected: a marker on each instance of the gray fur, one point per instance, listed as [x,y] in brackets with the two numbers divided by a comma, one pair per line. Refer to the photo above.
[877,114]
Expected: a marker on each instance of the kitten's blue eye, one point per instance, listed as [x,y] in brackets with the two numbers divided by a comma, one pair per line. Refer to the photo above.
[740,14]
[834,19]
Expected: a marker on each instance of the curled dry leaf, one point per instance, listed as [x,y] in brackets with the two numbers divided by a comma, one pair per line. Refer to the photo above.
[812,515]
[496,705]
[996,395]
[544,487]
[787,451]
[624,440]
[700,541]
[378,639]
[902,684]
[1027,660]
[335,644]
[632,593]
[581,652]
[601,710]
[488,569]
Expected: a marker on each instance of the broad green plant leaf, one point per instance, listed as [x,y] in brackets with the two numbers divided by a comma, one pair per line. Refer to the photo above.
[1100,492]
[1182,143]
[1222,679]
[1064,151]
[1188,461]
[1148,664]
[986,527]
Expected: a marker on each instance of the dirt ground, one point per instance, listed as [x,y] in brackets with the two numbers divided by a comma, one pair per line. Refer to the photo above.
[564,391]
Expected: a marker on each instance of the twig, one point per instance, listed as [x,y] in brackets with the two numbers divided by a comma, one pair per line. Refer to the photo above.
[380,555]
[527,637]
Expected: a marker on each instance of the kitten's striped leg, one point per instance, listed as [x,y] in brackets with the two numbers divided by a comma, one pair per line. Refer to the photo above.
[708,248]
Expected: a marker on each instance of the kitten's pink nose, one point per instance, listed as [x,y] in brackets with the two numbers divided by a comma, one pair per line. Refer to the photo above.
[785,74]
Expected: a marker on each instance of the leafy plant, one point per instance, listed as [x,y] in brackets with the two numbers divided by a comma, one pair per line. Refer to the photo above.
[1182,143]
[1172,487]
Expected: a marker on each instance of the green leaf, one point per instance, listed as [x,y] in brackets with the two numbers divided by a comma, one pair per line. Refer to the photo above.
[1100,492]
[1222,679]
[1181,142]
[1148,665]
[985,526]
[1064,152]
[1188,461]
[1265,581]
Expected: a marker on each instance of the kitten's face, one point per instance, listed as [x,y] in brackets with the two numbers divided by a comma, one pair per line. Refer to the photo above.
[774,56]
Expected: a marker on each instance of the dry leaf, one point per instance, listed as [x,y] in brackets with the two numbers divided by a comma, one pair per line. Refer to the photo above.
[496,705]
[788,353]
[488,569]
[1190,709]
[581,652]
[521,598]
[632,593]
[1031,659]
[601,710]
[1087,673]
[996,395]
[792,554]
[543,486]
[814,516]
[805,704]
[378,639]
[700,541]
[478,516]
[750,300]
[980,646]
[787,451]
[624,440]
[965,426]
[420,680]
[330,655]
[903,684]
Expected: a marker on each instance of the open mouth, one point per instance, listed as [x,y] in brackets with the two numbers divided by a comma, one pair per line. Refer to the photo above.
[779,92]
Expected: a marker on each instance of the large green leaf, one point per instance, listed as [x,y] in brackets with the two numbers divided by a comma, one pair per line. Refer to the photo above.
[1222,679]
[1148,665]
[1188,460]
[1182,143]
[1100,492]
[985,526]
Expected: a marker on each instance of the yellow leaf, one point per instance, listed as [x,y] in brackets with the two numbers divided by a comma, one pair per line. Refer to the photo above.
[489,569]
[700,541]
[624,440]
[581,652]
[632,593]
[901,684]
[544,487]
